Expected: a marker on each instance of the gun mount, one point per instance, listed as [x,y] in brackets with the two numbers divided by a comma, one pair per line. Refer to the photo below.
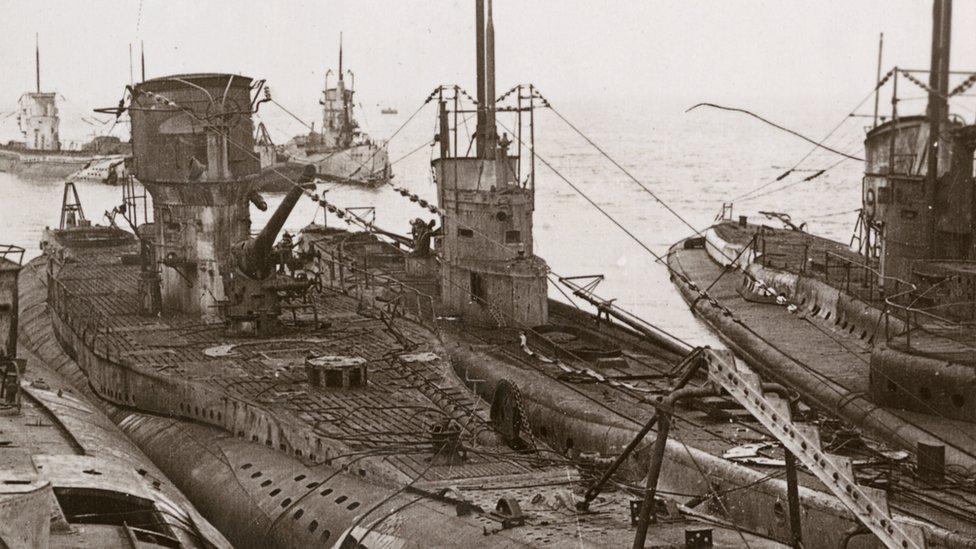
[258,287]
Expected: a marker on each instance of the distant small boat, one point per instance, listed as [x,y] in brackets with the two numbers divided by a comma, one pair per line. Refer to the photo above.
[389,110]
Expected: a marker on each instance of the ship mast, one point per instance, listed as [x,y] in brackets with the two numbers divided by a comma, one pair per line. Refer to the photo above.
[37,63]
[938,105]
[490,131]
[479,22]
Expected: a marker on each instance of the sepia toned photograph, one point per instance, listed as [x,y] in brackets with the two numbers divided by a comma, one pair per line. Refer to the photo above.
[376,274]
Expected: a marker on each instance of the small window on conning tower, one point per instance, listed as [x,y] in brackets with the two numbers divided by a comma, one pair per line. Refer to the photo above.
[466,233]
[513,237]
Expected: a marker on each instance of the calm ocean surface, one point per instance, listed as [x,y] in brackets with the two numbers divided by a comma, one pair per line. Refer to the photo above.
[694,162]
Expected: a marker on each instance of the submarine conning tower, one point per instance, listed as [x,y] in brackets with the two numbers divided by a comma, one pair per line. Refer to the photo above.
[918,192]
[37,114]
[193,143]
[488,271]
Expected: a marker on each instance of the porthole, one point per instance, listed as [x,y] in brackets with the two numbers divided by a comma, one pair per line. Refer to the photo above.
[246,466]
[299,477]
[266,483]
[341,499]
[275,492]
[501,216]
[298,514]
[256,475]
[353,505]
[311,485]
[326,492]
[326,535]
[285,503]
[313,526]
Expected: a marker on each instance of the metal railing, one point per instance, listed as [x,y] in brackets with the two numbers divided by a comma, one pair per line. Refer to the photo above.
[902,314]
[900,299]
[9,251]
[359,283]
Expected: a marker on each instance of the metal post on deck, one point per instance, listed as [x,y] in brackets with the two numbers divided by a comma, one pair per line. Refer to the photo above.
[763,249]
[653,473]
[793,499]
[908,331]
[694,361]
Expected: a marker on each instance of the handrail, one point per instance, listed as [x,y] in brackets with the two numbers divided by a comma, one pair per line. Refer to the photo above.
[367,275]
[909,313]
[11,250]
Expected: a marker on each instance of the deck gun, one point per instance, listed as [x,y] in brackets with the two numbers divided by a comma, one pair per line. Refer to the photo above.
[257,286]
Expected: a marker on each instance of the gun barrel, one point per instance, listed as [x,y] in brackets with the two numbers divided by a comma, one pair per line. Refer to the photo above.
[257,257]
[265,239]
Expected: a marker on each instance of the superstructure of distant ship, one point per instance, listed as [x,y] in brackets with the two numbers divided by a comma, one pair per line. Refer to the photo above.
[340,150]
[41,154]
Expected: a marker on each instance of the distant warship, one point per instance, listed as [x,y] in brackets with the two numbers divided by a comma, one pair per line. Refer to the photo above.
[41,154]
[339,150]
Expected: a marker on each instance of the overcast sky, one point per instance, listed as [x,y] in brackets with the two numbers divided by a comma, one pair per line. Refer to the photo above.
[769,55]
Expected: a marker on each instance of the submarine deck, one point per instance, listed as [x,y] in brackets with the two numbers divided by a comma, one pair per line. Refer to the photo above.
[839,356]
[393,415]
[835,264]
[369,431]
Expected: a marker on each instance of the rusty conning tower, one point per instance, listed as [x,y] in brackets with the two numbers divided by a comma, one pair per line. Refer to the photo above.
[917,193]
[488,270]
[193,143]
